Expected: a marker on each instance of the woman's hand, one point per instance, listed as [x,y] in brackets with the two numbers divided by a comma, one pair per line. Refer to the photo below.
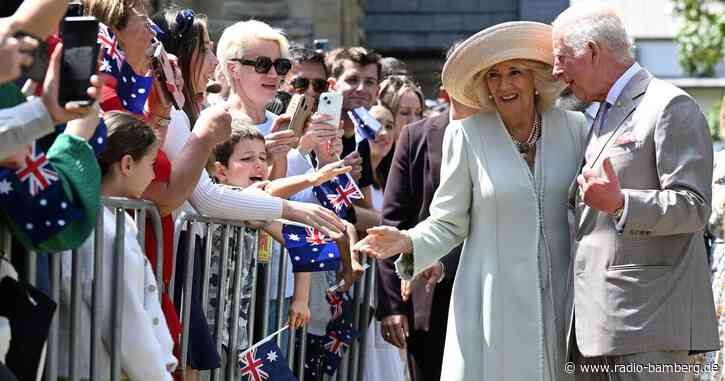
[395,330]
[384,242]
[329,172]
[279,141]
[299,313]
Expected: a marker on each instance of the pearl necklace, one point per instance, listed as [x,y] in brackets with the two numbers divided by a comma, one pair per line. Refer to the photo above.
[526,147]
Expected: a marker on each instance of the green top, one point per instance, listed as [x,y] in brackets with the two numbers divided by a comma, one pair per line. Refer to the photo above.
[78,170]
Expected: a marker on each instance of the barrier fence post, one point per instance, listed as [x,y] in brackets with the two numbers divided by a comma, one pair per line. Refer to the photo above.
[97,290]
[234,320]
[188,284]
[75,318]
[303,354]
[365,317]
[31,268]
[281,288]
[51,365]
[206,261]
[219,317]
[354,347]
[117,294]
[253,273]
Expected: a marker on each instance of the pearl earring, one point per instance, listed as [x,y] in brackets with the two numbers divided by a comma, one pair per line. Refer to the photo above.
[490,96]
[536,92]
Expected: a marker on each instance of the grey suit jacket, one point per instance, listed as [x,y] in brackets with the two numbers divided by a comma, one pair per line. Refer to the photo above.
[647,288]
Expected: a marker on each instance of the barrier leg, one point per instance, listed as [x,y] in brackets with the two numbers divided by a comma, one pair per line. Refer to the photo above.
[219,319]
[117,294]
[97,304]
[51,365]
[188,284]
[365,318]
[75,317]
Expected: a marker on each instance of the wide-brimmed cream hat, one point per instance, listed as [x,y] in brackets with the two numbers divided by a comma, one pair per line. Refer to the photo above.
[511,40]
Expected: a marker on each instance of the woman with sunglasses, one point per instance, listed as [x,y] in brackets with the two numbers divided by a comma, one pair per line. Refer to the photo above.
[254,58]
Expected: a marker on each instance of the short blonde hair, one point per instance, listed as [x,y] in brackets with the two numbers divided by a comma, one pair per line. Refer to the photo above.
[237,38]
[545,84]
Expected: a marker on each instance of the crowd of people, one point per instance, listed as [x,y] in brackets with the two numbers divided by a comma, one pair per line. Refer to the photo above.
[573,188]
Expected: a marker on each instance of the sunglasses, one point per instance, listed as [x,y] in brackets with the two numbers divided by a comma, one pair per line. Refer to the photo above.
[301,84]
[263,65]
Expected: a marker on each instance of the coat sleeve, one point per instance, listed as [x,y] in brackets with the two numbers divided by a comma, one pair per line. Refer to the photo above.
[449,219]
[399,211]
[22,125]
[684,160]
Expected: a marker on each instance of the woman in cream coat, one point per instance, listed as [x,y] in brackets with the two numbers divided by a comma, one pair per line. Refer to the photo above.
[503,192]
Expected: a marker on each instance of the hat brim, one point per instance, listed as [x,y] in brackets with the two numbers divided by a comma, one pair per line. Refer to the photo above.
[507,41]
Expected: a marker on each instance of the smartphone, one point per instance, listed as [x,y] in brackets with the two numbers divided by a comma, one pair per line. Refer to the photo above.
[37,70]
[165,73]
[301,107]
[79,59]
[331,104]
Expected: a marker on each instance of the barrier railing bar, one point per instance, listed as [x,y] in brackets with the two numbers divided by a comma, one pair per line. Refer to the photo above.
[141,225]
[252,317]
[267,286]
[7,244]
[303,355]
[186,297]
[357,296]
[51,365]
[31,268]
[221,290]
[96,303]
[365,318]
[75,316]
[281,289]
[234,314]
[117,293]
[206,261]
[291,347]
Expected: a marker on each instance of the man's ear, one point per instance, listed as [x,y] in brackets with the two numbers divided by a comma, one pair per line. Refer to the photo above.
[220,172]
[126,165]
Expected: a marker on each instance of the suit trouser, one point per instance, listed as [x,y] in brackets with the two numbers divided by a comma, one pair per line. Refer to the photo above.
[646,366]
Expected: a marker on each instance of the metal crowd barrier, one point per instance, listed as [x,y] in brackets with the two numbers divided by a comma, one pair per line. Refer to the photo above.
[120,206]
[351,368]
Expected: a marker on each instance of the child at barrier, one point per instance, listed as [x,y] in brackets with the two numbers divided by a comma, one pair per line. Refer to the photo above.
[146,345]
[241,162]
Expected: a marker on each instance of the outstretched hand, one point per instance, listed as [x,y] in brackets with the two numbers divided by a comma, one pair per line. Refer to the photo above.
[384,242]
[601,193]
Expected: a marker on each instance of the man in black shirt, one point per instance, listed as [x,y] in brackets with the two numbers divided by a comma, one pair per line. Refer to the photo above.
[355,72]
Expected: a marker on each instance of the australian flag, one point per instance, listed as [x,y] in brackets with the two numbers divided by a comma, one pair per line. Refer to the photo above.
[338,339]
[132,89]
[33,197]
[366,126]
[309,249]
[340,306]
[264,362]
[337,195]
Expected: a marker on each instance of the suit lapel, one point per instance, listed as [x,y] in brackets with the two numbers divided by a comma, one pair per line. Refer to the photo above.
[625,105]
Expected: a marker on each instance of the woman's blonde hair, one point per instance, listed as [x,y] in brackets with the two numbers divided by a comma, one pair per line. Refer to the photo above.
[237,38]
[114,13]
[545,84]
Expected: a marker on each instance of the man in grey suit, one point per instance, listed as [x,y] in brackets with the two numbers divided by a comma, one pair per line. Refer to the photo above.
[642,295]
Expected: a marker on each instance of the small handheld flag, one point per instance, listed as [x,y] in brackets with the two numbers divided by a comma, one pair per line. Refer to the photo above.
[310,250]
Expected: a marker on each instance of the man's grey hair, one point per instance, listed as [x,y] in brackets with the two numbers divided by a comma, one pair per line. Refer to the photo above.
[593,21]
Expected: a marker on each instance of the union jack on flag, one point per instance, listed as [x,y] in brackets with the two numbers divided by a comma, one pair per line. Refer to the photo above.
[270,365]
[36,172]
[337,195]
[109,43]
[309,249]
[335,342]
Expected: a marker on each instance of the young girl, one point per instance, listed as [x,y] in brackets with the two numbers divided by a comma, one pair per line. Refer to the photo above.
[146,345]
[242,164]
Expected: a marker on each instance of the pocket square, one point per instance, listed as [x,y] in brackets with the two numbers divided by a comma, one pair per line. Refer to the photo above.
[625,138]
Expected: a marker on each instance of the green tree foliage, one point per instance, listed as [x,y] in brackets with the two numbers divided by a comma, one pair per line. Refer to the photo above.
[701,35]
